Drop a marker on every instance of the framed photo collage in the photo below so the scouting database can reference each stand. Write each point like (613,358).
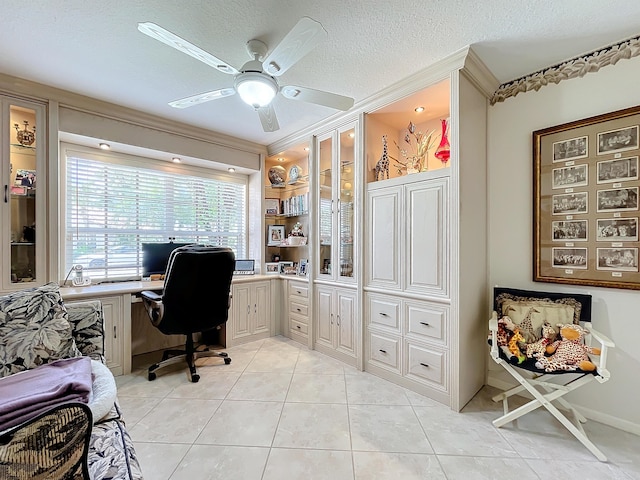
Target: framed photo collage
(586,189)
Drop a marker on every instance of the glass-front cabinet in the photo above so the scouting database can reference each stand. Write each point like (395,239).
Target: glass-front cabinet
(337,201)
(22,153)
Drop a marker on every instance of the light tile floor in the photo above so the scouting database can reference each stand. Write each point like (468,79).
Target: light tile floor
(282,412)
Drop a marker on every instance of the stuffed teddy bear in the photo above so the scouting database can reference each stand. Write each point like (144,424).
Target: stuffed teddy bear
(539,348)
(569,353)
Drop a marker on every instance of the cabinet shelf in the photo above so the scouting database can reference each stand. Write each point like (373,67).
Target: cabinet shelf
(287,215)
(22,244)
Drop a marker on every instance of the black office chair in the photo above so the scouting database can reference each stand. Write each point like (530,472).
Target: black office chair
(195,298)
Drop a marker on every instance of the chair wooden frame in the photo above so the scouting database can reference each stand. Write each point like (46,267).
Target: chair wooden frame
(549,388)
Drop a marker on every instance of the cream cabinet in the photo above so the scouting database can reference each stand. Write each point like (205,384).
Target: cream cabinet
(114,333)
(250,312)
(336,322)
(425,274)
(407,235)
(23,237)
(298,314)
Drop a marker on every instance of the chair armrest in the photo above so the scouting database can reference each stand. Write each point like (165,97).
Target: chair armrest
(605,343)
(600,337)
(493,328)
(151,296)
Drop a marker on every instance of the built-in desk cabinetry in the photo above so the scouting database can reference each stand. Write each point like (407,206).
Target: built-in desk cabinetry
(250,312)
(336,322)
(297,307)
(114,332)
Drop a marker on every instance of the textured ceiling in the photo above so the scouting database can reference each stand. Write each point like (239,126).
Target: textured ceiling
(94,48)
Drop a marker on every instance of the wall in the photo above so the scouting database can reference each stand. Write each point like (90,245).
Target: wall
(615,311)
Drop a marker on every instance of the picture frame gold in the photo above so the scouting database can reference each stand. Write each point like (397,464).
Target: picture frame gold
(585,206)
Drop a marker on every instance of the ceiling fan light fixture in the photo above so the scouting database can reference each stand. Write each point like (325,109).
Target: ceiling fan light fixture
(256,89)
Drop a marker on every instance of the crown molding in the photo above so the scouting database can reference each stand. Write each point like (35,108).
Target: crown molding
(574,68)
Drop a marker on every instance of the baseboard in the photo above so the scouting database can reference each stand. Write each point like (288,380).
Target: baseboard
(591,414)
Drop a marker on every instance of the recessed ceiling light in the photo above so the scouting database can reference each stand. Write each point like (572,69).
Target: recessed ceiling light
(231,169)
(419,109)
(105,146)
(280,159)
(352,135)
(176,160)
(306,149)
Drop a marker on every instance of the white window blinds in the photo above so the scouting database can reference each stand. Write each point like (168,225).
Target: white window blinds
(114,204)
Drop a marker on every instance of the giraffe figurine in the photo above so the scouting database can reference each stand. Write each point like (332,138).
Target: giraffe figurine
(382,167)
(514,348)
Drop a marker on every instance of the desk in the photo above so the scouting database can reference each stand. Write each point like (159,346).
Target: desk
(119,298)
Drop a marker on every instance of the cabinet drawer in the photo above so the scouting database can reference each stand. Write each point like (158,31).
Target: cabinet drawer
(298,308)
(425,321)
(296,325)
(298,291)
(425,364)
(383,311)
(384,350)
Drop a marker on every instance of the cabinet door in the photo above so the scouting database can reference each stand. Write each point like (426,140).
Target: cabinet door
(345,322)
(325,316)
(113,333)
(22,170)
(325,206)
(241,311)
(261,307)
(426,247)
(346,202)
(383,258)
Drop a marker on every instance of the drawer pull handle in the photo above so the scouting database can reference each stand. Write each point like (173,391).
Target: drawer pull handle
(424,364)
(298,292)
(424,323)
(383,351)
(297,326)
(384,314)
(297,309)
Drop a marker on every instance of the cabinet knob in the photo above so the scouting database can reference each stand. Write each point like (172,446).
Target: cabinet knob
(424,323)
(383,351)
(424,364)
(298,309)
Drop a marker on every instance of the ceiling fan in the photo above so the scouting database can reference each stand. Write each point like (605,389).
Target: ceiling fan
(256,81)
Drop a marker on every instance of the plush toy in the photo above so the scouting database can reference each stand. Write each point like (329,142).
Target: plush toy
(569,353)
(508,340)
(539,348)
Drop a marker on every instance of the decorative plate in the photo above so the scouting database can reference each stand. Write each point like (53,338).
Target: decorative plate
(294,173)
(277,175)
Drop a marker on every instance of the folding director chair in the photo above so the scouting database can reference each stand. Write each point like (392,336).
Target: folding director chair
(547,388)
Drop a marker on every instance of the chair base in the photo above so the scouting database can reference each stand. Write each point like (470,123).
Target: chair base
(549,392)
(189,355)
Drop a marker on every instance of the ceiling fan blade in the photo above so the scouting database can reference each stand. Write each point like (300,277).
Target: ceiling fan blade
(202,97)
(302,38)
(268,118)
(309,95)
(168,38)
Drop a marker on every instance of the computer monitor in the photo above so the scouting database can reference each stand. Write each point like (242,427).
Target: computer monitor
(155,257)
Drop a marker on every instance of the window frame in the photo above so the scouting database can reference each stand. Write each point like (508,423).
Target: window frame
(136,161)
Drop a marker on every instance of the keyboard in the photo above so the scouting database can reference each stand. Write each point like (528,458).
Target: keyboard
(243,272)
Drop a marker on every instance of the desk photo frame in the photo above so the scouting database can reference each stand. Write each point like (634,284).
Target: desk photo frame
(586,192)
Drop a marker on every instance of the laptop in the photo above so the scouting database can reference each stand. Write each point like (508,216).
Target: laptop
(244,267)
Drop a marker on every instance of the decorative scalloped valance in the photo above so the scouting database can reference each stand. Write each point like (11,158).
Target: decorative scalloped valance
(574,68)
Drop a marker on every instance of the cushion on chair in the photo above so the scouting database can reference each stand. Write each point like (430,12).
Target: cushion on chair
(540,311)
(34,329)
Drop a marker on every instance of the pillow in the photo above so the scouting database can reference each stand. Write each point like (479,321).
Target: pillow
(34,329)
(541,311)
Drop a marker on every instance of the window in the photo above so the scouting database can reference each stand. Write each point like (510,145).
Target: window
(116,202)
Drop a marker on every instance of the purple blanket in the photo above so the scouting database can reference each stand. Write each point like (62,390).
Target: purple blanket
(26,394)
